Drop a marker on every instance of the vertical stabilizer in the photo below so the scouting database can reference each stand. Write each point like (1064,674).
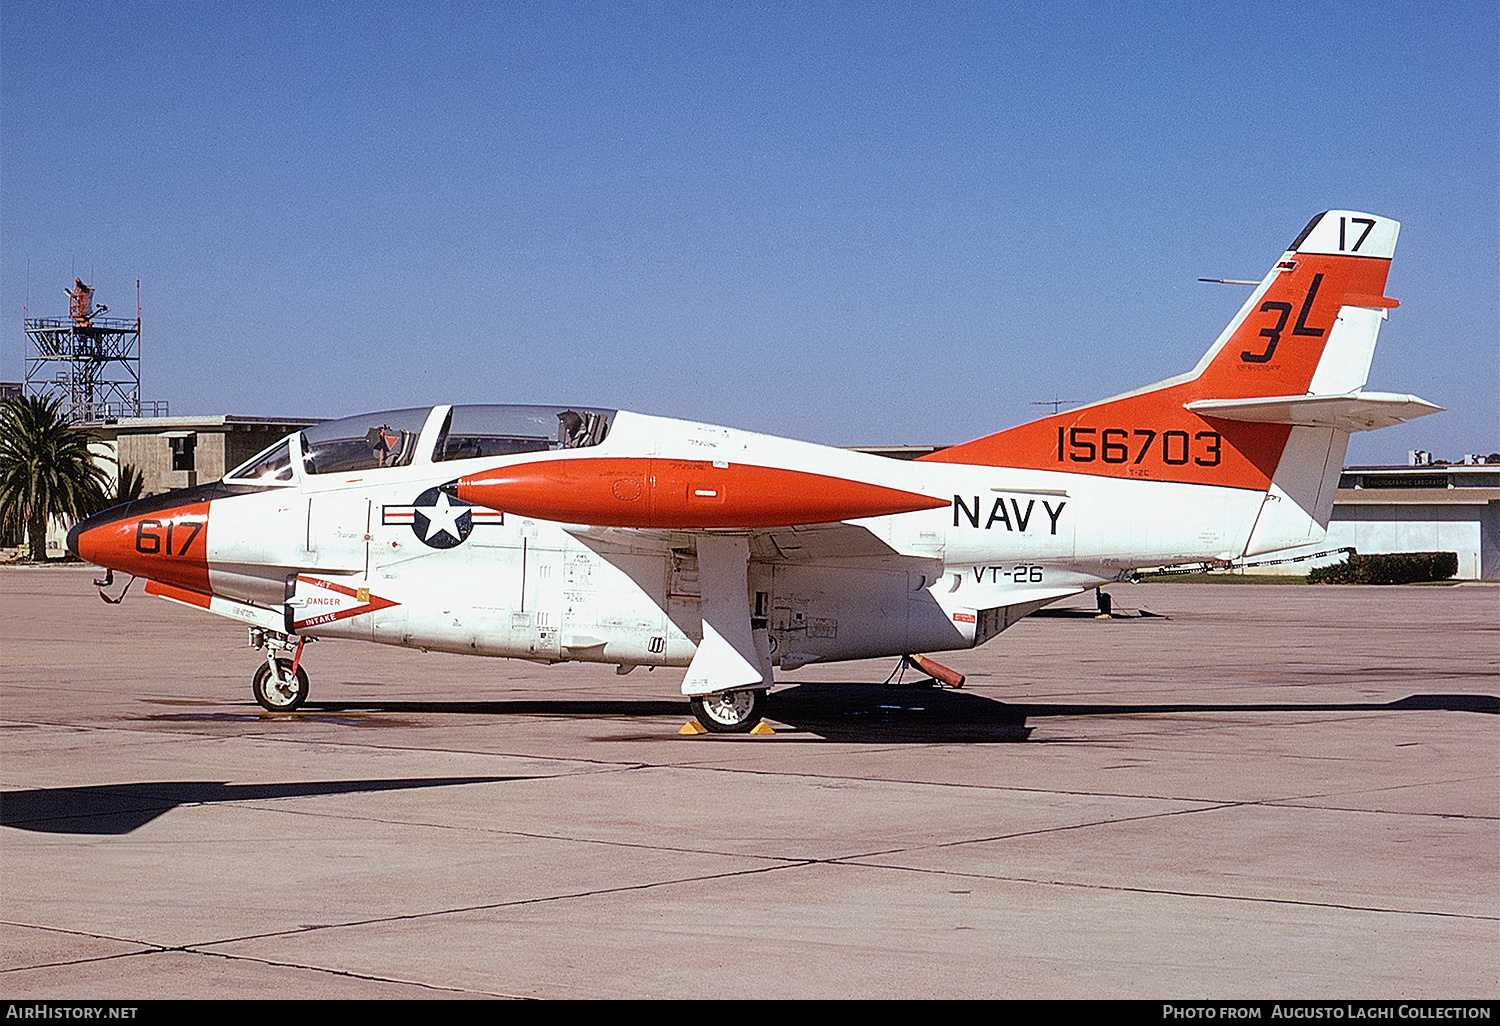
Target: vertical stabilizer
(1309,328)
(1312,321)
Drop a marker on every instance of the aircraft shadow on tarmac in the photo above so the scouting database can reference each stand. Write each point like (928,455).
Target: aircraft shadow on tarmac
(121,808)
(863,713)
(896,714)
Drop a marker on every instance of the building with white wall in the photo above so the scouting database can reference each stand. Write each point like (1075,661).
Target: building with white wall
(1420,508)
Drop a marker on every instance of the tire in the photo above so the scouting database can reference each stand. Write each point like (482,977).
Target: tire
(283,695)
(730,712)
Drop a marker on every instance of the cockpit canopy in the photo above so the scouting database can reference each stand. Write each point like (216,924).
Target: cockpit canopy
(367,442)
(400,438)
(470,432)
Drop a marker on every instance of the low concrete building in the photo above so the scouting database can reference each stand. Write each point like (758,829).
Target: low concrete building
(1428,508)
(179,452)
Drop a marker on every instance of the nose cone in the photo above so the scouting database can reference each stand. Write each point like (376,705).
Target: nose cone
(73,538)
(163,538)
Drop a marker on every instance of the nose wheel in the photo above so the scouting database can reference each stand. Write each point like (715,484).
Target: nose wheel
(282,690)
(280,685)
(730,712)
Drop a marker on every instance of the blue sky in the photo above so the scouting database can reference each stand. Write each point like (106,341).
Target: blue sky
(851,223)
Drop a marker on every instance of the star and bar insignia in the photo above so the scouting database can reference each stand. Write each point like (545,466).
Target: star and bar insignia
(439,520)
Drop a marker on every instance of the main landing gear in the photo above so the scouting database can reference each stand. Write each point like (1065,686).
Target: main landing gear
(730,712)
(280,685)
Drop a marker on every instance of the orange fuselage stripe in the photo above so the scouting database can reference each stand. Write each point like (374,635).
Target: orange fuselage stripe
(176,594)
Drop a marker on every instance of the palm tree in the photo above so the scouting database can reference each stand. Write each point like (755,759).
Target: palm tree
(130,485)
(46,469)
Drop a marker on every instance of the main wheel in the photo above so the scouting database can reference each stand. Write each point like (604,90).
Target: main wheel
(284,693)
(730,712)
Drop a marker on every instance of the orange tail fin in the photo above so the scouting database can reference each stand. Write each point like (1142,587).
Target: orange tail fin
(1308,329)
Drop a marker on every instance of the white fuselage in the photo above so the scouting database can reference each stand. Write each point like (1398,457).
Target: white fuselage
(940,579)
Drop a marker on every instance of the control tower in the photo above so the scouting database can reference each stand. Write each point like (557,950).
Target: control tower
(91,362)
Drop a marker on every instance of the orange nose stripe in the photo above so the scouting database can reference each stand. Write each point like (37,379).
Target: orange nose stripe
(169,545)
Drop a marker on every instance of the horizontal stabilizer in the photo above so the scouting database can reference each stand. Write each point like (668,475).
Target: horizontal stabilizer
(1357,411)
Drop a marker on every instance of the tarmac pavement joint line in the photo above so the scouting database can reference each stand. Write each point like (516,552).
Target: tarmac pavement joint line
(1205,895)
(156,950)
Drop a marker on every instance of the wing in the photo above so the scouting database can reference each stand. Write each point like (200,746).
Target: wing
(735,651)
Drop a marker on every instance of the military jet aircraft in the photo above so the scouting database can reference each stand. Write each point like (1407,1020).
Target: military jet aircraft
(554,533)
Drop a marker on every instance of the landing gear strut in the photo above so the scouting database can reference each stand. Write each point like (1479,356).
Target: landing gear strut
(280,685)
(730,712)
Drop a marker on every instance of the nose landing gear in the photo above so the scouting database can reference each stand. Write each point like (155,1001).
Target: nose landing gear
(281,689)
(279,685)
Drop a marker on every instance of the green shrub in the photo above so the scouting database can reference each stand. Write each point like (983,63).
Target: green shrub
(1388,568)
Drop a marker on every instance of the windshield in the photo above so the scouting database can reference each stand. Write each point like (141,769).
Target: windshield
(367,442)
(273,465)
(474,431)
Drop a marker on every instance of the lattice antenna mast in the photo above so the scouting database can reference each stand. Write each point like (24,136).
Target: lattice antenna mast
(91,362)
